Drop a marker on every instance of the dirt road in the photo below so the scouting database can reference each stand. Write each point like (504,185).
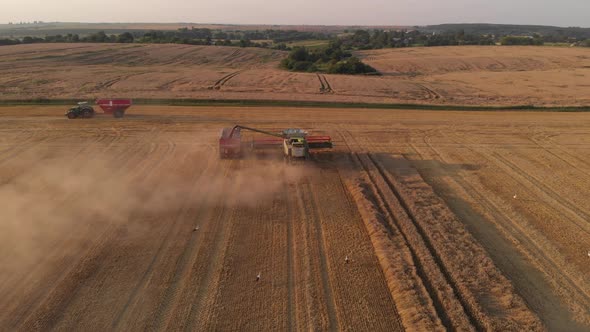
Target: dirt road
(450,220)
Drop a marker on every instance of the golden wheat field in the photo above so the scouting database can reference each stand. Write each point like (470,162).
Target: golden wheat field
(415,220)
(490,75)
(449,220)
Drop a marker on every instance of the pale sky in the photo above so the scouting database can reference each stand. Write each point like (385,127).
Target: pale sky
(321,12)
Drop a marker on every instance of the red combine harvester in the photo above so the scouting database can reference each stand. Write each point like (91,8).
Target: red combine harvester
(116,107)
(295,142)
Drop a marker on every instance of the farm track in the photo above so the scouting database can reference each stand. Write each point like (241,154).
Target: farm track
(431,94)
(325,86)
(222,81)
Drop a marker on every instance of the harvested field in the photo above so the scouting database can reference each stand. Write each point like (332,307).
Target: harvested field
(491,75)
(451,220)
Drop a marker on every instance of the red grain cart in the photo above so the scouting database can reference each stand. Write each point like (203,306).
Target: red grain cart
(116,107)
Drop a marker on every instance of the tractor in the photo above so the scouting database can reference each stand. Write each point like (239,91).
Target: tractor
(83,110)
(116,107)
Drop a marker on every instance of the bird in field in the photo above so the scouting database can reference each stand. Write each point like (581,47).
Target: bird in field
(258,277)
(514,196)
(346,260)
(196,229)
(588,253)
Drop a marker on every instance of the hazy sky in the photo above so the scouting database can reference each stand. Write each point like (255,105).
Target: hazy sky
(328,12)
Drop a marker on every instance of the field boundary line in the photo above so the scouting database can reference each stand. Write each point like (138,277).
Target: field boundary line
(312,104)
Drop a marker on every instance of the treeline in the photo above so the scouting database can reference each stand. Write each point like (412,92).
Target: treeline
(266,39)
(332,60)
(519,40)
(549,34)
(99,37)
(375,39)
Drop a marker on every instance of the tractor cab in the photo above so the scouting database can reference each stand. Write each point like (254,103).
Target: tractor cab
(83,110)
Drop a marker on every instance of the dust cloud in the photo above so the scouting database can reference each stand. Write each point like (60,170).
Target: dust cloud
(55,207)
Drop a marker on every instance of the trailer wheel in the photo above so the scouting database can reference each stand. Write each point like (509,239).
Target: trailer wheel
(118,114)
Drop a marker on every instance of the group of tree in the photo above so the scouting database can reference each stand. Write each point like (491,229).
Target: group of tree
(332,59)
(99,37)
(275,39)
(521,40)
(376,39)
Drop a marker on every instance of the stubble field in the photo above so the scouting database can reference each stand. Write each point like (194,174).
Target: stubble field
(450,220)
(489,75)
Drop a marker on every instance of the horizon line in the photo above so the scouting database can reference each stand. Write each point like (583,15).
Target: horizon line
(310,25)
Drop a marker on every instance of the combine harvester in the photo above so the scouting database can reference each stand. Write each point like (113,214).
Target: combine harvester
(116,107)
(295,143)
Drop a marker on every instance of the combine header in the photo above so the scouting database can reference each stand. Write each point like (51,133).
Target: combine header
(295,143)
(116,107)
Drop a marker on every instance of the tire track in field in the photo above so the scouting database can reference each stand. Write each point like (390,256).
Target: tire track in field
(292,307)
(109,83)
(325,86)
(175,229)
(316,217)
(431,94)
(549,262)
(202,306)
(187,260)
(447,300)
(20,148)
(307,308)
(59,202)
(556,146)
(314,234)
(566,151)
(583,218)
(53,294)
(515,233)
(222,81)
(346,235)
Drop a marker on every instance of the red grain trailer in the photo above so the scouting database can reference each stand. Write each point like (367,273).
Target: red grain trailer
(116,107)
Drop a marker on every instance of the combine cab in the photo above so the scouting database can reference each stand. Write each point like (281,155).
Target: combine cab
(116,107)
(295,143)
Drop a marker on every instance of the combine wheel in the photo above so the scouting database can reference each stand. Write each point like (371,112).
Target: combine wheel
(118,114)
(71,115)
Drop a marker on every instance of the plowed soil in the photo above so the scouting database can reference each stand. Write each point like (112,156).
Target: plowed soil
(449,220)
(491,75)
